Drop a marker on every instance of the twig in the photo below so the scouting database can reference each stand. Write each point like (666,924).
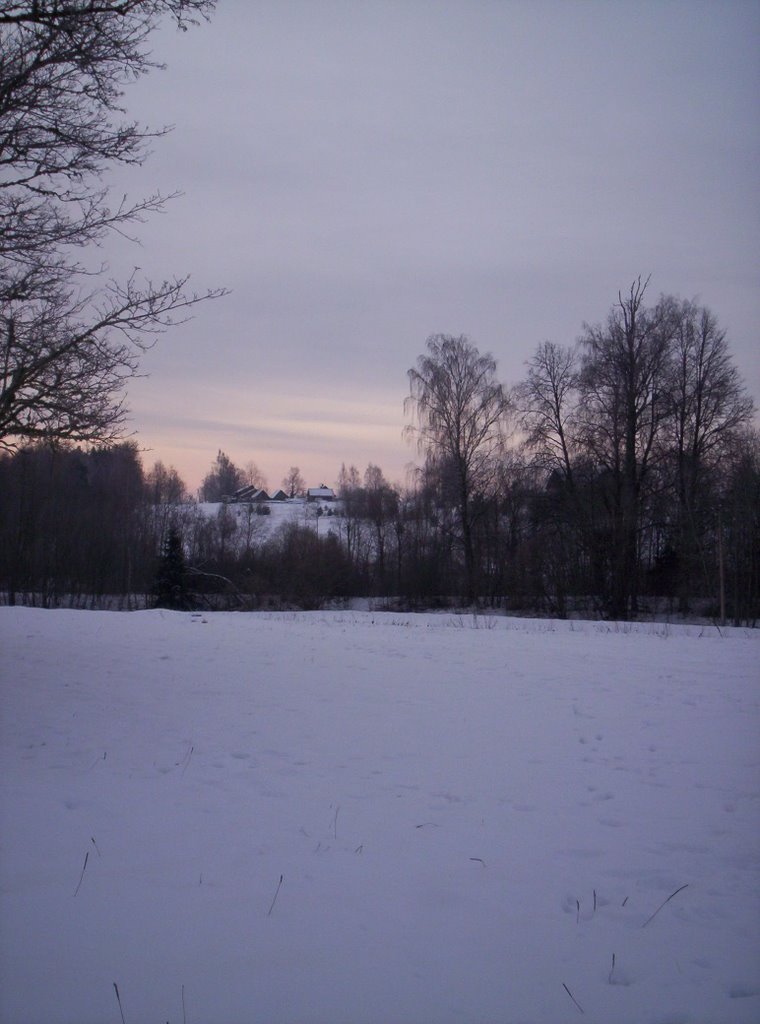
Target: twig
(97,759)
(275,897)
(187,762)
(92,840)
(118,1000)
(335,821)
(577,911)
(564,986)
(651,917)
(479,860)
(594,900)
(87,854)
(612,969)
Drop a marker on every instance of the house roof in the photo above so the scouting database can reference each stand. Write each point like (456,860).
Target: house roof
(250,493)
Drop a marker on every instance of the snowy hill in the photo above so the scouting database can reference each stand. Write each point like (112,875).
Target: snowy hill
(344,817)
(295,510)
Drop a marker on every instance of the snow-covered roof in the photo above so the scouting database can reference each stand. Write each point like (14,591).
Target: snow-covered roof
(250,493)
(320,492)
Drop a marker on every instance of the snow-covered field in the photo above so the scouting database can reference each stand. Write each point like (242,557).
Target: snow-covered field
(346,817)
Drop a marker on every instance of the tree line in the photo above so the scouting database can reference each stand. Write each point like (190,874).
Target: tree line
(91,528)
(621,477)
(622,470)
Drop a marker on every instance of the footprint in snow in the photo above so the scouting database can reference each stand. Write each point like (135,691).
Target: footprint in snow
(742,992)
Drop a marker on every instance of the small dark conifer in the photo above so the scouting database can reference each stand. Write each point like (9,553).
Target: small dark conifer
(171,585)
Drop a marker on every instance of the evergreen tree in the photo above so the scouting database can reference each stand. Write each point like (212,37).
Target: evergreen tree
(171,587)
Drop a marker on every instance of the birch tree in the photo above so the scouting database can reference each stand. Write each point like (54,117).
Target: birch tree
(458,411)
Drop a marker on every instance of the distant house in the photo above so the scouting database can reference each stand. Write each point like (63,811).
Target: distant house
(249,494)
(320,493)
(279,495)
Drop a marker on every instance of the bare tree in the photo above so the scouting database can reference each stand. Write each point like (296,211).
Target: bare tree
(70,338)
(708,404)
(164,492)
(459,412)
(547,400)
(293,483)
(65,358)
(708,409)
(623,402)
(164,485)
(380,507)
(253,476)
(349,493)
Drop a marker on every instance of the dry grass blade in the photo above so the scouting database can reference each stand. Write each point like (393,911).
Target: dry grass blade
(118,1000)
(654,915)
(274,900)
(564,986)
(79,883)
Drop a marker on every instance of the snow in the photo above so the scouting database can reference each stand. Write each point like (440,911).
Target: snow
(294,511)
(469,817)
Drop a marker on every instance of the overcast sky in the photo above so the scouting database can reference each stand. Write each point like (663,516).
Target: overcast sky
(364,174)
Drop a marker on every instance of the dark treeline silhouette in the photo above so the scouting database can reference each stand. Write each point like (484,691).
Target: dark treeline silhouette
(91,529)
(620,478)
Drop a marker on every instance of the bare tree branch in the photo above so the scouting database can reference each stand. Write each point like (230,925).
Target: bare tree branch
(69,338)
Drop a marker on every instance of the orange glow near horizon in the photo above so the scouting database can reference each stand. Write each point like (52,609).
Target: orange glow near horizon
(317,435)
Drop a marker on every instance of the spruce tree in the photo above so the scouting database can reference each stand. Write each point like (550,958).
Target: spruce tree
(171,587)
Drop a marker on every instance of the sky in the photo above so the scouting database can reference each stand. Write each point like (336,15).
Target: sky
(361,176)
